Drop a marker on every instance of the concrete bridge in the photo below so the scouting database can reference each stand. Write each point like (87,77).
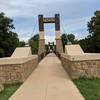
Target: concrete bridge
(49,81)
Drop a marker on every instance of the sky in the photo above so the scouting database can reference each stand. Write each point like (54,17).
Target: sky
(74,15)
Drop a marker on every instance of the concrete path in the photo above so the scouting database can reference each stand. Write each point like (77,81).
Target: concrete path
(49,81)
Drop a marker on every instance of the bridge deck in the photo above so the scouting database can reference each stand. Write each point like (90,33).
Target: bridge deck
(49,81)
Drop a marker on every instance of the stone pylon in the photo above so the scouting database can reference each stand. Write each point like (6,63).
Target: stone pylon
(41,43)
(41,50)
(59,47)
(56,20)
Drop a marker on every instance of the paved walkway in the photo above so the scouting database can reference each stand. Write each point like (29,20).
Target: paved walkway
(49,81)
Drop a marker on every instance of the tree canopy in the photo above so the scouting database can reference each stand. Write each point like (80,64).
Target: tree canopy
(92,42)
(21,44)
(94,30)
(68,38)
(8,39)
(34,43)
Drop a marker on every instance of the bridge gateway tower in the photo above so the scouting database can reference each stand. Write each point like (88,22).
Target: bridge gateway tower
(42,21)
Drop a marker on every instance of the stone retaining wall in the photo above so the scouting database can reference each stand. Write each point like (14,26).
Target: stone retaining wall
(17,72)
(78,68)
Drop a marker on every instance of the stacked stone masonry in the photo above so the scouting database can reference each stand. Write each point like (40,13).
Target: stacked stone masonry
(11,73)
(79,68)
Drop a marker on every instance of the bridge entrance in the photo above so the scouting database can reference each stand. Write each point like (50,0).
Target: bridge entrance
(56,20)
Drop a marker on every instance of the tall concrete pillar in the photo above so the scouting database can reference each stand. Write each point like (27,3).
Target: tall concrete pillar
(41,36)
(59,47)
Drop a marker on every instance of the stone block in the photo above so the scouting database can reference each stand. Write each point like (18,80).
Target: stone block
(59,47)
(76,69)
(22,52)
(11,73)
(41,46)
(73,50)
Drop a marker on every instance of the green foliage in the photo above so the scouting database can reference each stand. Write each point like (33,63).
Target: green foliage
(64,40)
(89,87)
(8,39)
(34,43)
(9,90)
(94,30)
(70,37)
(87,44)
(5,24)
(92,42)
(2,52)
(94,24)
(21,44)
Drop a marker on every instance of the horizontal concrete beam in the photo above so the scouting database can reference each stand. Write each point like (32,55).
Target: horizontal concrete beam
(10,60)
(86,56)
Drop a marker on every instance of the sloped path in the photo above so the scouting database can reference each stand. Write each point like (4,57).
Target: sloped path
(49,81)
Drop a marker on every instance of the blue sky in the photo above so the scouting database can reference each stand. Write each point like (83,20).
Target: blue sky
(74,15)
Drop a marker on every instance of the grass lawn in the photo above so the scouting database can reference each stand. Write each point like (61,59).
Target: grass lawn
(89,87)
(9,90)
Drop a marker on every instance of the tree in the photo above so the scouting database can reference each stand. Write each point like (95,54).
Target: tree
(21,44)
(66,39)
(34,43)
(8,39)
(1,52)
(87,44)
(94,30)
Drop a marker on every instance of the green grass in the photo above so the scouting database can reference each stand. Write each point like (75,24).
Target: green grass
(9,90)
(89,87)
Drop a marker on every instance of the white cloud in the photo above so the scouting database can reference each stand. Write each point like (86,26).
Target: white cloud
(49,39)
(4,1)
(77,26)
(74,14)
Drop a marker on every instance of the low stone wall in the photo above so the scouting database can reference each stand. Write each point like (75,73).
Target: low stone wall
(77,67)
(16,69)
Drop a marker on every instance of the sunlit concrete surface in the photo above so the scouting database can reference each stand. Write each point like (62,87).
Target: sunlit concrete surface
(49,81)
(21,52)
(75,53)
(73,50)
